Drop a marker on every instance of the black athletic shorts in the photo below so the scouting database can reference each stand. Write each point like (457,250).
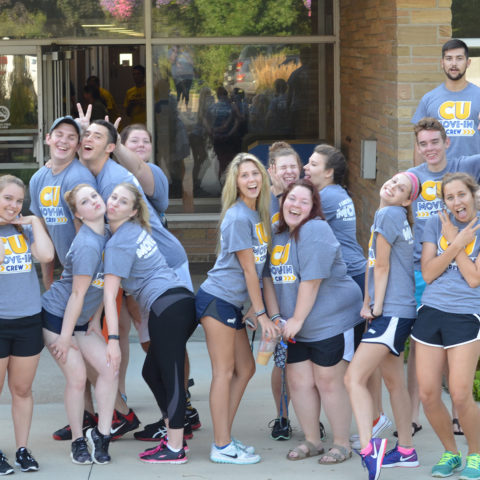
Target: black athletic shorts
(21,337)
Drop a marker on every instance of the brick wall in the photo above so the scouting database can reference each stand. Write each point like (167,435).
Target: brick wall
(389,57)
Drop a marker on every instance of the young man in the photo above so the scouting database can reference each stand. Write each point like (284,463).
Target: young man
(455,103)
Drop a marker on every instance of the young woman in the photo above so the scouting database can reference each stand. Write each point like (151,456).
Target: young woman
(67,307)
(321,304)
(244,240)
(389,306)
(20,321)
(284,168)
(133,259)
(447,329)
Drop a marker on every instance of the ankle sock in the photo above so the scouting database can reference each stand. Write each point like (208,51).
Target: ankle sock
(222,448)
(175,450)
(405,450)
(367,450)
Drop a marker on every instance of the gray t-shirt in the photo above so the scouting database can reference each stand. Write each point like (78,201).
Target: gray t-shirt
(315,255)
(274,208)
(458,113)
(18,278)
(159,199)
(133,255)
(85,257)
(241,229)
(450,292)
(47,202)
(339,212)
(111,175)
(428,204)
(392,224)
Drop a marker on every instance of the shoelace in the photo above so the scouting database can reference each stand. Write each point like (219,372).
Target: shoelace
(473,461)
(448,458)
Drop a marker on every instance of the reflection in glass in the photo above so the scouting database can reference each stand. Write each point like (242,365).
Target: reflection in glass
(207,18)
(224,99)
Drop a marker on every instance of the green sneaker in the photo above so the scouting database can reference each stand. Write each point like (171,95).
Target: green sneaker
(448,464)
(472,468)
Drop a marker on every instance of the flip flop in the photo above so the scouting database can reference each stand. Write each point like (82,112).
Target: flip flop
(458,430)
(415,428)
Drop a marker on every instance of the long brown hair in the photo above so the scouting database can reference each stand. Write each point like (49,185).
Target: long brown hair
(142,217)
(315,212)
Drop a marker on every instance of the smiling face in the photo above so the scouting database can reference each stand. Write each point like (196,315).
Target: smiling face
(297,206)
(138,141)
(315,171)
(249,182)
(63,143)
(89,204)
(286,169)
(432,148)
(120,206)
(11,201)
(455,63)
(396,191)
(459,200)
(95,143)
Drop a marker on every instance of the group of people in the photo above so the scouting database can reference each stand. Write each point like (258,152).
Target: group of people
(288,246)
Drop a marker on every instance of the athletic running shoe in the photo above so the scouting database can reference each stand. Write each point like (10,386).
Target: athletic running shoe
(25,461)
(448,464)
(393,458)
(80,454)
(154,432)
(99,445)
(281,429)
(65,433)
(5,467)
(232,454)
(383,423)
(250,449)
(163,454)
(122,424)
(152,450)
(373,461)
(323,432)
(472,468)
(192,417)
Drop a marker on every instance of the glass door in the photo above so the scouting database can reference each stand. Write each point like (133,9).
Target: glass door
(20,136)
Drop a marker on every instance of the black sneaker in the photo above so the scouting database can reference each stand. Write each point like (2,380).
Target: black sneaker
(65,433)
(80,454)
(25,461)
(191,415)
(162,454)
(99,445)
(122,424)
(5,467)
(153,432)
(281,429)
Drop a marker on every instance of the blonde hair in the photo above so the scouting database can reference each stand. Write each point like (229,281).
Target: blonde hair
(142,217)
(71,197)
(7,180)
(230,192)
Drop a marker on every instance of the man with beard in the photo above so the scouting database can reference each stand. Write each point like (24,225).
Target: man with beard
(455,103)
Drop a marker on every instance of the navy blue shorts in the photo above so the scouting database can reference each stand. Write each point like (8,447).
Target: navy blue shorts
(445,330)
(54,324)
(210,306)
(21,337)
(389,331)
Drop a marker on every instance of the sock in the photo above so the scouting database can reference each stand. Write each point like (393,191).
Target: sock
(376,420)
(405,450)
(222,448)
(175,450)
(367,450)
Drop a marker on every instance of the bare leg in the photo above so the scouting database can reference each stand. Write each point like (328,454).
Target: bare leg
(21,372)
(374,386)
(124,324)
(412,383)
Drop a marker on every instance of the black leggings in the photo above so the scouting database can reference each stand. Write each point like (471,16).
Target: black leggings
(164,367)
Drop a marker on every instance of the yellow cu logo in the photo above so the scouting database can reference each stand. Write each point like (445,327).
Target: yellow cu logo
(430,188)
(275,218)
(15,244)
(280,254)
(49,196)
(261,235)
(468,249)
(455,110)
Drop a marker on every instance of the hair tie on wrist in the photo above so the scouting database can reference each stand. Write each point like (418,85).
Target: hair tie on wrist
(260,313)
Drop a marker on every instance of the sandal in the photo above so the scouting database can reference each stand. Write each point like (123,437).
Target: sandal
(457,428)
(340,455)
(415,428)
(309,450)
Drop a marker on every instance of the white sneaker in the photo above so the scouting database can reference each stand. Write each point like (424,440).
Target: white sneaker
(383,423)
(250,449)
(232,454)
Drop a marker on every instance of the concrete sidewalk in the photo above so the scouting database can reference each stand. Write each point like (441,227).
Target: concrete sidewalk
(256,410)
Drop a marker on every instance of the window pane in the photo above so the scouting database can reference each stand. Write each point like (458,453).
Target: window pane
(465,19)
(70,18)
(218,18)
(212,102)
